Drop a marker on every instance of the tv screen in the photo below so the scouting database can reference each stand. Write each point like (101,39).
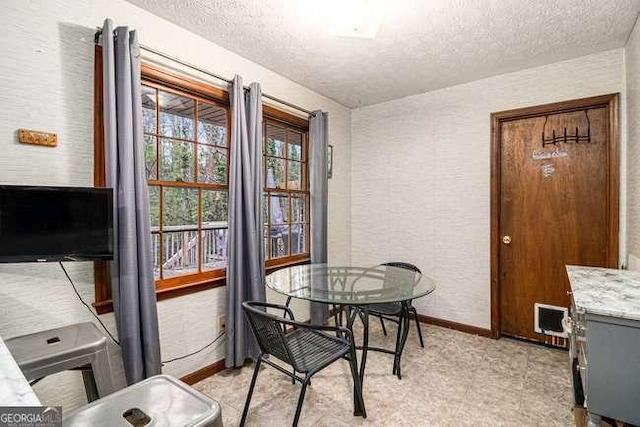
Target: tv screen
(55,223)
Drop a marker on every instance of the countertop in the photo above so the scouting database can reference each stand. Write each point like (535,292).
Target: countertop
(14,388)
(606,291)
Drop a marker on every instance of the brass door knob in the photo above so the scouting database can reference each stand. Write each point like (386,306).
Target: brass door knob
(506,239)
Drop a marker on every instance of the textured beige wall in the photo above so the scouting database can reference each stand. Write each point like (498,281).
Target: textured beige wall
(46,83)
(632,61)
(420,176)
(420,168)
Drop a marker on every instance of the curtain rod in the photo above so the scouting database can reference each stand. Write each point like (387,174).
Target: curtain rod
(216,76)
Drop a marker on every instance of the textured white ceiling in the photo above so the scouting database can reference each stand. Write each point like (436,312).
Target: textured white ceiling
(422,45)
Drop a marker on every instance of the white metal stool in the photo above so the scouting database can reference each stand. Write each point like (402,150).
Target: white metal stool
(75,347)
(157,401)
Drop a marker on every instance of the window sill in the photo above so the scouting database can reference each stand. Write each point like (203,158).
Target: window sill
(273,265)
(106,306)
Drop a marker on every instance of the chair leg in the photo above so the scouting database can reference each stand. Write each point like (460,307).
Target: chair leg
(253,384)
(337,314)
(384,330)
(358,400)
(405,322)
(415,315)
(300,400)
(395,370)
(284,329)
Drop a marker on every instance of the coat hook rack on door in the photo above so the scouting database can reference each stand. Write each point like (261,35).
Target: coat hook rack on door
(564,138)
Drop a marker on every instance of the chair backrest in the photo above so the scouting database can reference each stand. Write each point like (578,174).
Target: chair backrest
(268,330)
(405,265)
(406,277)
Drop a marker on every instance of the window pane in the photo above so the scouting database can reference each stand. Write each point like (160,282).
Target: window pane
(280,241)
(150,157)
(149,109)
(212,164)
(176,115)
(298,209)
(295,145)
(215,207)
(294,178)
(176,160)
(265,210)
(179,208)
(298,239)
(180,231)
(155,248)
(285,162)
(275,141)
(265,241)
(212,124)
(154,207)
(180,253)
(214,247)
(275,173)
(154,216)
(279,205)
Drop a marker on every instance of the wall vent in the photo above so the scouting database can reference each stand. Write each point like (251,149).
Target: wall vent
(548,319)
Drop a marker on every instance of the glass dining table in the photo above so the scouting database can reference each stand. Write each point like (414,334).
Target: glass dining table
(353,289)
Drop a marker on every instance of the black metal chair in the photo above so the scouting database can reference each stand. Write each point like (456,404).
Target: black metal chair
(307,348)
(393,311)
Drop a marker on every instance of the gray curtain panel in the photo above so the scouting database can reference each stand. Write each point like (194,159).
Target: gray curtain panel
(245,272)
(318,143)
(132,283)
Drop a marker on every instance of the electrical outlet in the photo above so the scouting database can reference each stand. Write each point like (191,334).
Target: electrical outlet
(222,322)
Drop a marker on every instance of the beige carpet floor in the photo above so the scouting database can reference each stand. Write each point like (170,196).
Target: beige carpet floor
(458,379)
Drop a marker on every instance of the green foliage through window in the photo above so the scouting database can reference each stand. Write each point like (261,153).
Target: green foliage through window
(286,195)
(186,154)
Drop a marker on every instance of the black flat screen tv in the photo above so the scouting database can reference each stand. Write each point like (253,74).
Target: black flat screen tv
(55,223)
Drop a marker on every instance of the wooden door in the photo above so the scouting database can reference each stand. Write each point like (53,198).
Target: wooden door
(554,202)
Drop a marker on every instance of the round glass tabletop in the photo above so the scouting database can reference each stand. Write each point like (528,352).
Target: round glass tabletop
(350,285)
